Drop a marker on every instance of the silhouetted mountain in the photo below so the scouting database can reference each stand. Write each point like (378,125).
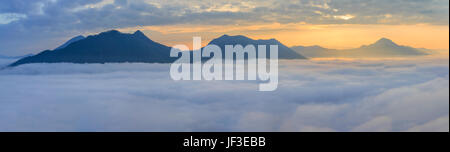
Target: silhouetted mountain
(110,46)
(387,47)
(382,48)
(77,38)
(283,51)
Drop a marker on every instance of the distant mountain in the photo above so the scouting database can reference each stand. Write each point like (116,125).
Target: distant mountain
(386,47)
(111,46)
(284,52)
(382,48)
(74,39)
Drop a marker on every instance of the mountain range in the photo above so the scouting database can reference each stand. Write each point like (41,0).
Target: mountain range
(116,47)
(382,48)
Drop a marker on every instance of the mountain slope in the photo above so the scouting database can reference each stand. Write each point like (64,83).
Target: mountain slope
(110,46)
(382,48)
(74,39)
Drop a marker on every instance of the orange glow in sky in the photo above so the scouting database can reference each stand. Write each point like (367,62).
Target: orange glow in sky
(338,36)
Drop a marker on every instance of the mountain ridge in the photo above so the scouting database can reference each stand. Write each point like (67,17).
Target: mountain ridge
(72,40)
(107,47)
(383,47)
(115,47)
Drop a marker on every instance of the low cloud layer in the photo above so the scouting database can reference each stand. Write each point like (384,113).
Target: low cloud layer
(332,95)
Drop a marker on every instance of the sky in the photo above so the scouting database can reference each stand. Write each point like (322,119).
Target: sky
(33,26)
(325,95)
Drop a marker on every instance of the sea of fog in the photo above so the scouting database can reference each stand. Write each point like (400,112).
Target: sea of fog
(314,95)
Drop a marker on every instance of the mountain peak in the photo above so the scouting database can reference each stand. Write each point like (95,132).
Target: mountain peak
(236,36)
(274,40)
(230,39)
(138,32)
(110,32)
(385,41)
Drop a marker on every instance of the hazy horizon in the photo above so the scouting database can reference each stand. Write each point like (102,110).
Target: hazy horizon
(204,43)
